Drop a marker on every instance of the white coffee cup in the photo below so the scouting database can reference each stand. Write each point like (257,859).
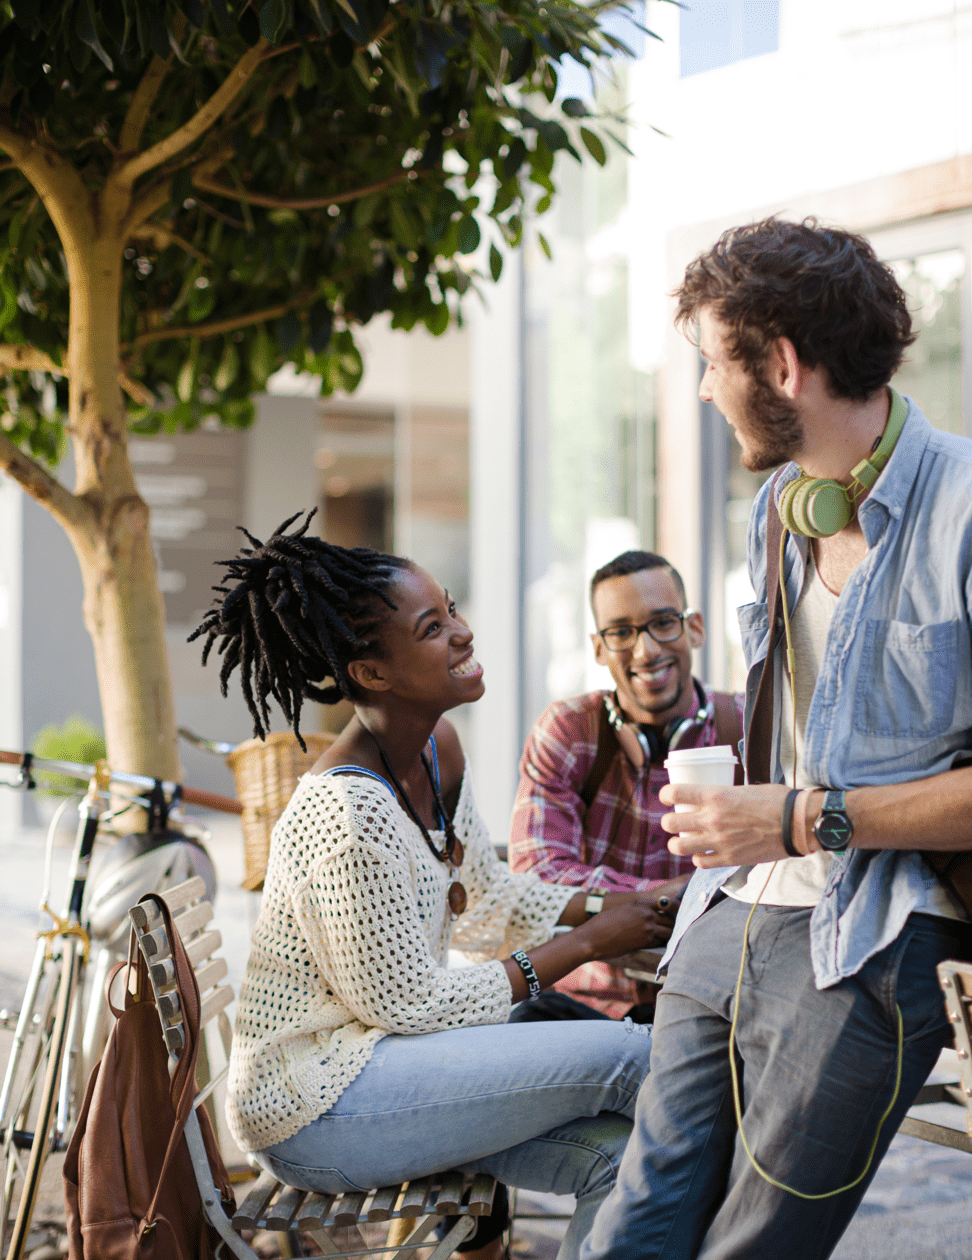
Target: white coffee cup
(709,767)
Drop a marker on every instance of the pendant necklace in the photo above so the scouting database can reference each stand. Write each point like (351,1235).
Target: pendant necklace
(452,852)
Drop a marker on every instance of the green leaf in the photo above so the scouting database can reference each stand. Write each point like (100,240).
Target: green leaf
(438,321)
(84,28)
(495,263)
(273,20)
(554,136)
(468,235)
(9,309)
(543,205)
(321,324)
(186,380)
(514,158)
(574,108)
(289,329)
(306,70)
(261,359)
(620,143)
(594,146)
(544,244)
(321,15)
(364,210)
(229,367)
(403,228)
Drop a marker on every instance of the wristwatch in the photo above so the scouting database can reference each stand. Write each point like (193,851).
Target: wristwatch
(833,828)
(594,903)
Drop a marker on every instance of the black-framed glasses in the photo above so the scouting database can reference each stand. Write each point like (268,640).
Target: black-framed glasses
(666,627)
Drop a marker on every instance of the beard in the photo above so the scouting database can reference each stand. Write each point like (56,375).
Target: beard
(774,431)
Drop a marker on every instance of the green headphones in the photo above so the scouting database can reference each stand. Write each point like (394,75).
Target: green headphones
(818,507)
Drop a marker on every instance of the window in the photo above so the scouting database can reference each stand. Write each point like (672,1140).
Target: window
(715,33)
(932,370)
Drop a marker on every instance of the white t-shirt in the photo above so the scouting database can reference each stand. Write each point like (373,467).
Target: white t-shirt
(800,881)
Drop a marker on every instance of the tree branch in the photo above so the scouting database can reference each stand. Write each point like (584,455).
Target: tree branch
(17,147)
(296,203)
(32,477)
(214,327)
(27,359)
(58,184)
(137,391)
(138,112)
(160,238)
(154,198)
(200,122)
(155,195)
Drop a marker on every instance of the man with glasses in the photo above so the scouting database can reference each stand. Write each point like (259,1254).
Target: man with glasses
(587,811)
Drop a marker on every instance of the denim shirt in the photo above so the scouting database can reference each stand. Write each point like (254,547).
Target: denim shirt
(893,700)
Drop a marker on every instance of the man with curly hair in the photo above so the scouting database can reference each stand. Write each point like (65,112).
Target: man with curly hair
(801,1011)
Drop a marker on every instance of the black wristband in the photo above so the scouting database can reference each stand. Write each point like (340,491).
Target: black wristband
(787,827)
(522,960)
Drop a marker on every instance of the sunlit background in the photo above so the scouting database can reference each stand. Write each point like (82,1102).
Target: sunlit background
(561,424)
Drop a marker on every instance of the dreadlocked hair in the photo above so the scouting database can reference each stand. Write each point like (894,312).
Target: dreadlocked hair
(294,612)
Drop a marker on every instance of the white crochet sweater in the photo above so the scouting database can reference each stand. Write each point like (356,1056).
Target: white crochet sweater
(352,944)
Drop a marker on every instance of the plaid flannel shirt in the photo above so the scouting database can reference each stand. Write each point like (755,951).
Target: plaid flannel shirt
(551,834)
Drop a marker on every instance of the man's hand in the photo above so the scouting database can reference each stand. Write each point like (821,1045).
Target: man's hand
(728,826)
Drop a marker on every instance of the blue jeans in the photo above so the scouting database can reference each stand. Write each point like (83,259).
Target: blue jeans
(539,1106)
(818,1071)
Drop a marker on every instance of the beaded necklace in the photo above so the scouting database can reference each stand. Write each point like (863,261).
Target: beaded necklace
(452,852)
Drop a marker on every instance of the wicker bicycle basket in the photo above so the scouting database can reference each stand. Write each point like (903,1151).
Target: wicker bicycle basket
(266,772)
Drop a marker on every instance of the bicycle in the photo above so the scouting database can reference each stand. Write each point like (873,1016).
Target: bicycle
(59,1035)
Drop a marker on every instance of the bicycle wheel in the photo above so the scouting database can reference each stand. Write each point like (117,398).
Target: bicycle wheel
(28,1136)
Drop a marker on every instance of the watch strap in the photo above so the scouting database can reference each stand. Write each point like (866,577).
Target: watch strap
(787,823)
(594,903)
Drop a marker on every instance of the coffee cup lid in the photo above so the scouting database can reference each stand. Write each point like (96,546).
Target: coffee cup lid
(700,756)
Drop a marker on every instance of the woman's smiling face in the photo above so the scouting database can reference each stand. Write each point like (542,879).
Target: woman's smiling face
(426,647)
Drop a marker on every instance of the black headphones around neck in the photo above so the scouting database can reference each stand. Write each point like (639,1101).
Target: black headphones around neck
(656,743)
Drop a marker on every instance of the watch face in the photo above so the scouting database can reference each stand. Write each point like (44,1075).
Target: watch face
(834,831)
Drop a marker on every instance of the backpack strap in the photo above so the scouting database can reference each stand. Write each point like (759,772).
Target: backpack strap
(728,725)
(759,736)
(607,748)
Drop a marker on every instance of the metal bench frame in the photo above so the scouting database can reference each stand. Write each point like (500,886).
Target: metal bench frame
(412,1209)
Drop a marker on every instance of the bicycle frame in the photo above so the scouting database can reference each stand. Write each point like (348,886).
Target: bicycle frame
(75,943)
(68,1039)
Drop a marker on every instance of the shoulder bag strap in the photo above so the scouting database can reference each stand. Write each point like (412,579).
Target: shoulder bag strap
(183,1083)
(607,748)
(759,736)
(728,725)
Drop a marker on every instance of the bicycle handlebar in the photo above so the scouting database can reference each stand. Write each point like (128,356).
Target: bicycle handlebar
(77,770)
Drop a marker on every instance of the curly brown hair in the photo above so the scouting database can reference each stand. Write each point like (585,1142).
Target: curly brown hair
(823,288)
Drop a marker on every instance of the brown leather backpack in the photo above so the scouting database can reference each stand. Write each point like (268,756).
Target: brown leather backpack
(129,1188)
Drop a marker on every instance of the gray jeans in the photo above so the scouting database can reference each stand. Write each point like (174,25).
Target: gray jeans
(818,1071)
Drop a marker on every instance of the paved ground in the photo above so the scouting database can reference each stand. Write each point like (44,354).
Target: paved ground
(918,1208)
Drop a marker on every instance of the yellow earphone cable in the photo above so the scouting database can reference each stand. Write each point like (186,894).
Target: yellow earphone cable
(736,1097)
(790,654)
(737,1101)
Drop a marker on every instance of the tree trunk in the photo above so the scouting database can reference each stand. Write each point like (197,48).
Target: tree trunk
(123,607)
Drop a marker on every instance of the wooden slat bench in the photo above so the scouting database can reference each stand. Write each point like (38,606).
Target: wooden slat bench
(410,1210)
(956,981)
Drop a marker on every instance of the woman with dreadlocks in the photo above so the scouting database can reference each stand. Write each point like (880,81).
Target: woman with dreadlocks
(360,1058)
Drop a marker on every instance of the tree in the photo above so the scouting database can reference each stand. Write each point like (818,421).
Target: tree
(199,191)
